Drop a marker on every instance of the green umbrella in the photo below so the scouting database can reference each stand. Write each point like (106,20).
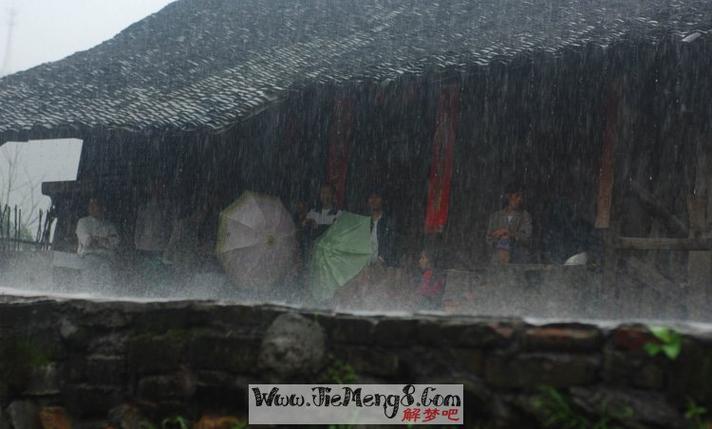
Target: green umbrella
(340,254)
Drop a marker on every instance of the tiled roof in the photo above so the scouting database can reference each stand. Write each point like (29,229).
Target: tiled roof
(207,63)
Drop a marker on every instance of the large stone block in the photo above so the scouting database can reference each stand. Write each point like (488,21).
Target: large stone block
(491,334)
(691,373)
(563,338)
(370,361)
(44,381)
(84,400)
(155,354)
(633,408)
(105,370)
(24,414)
(180,385)
(293,346)
(633,369)
(347,329)
(467,360)
(394,332)
(222,353)
(532,370)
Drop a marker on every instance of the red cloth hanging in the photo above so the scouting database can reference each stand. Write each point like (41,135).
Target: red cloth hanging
(440,178)
(340,140)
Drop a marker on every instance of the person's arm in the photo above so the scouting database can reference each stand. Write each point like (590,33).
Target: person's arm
(311,218)
(83,235)
(110,241)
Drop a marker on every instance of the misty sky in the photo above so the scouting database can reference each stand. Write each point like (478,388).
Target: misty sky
(49,30)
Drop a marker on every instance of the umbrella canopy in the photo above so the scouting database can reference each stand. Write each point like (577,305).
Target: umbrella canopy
(340,254)
(256,241)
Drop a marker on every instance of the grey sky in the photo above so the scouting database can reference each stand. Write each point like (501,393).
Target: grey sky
(49,30)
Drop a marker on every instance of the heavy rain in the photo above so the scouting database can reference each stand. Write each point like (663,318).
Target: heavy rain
(549,162)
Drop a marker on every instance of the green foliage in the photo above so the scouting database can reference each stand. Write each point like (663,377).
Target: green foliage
(560,413)
(175,422)
(145,424)
(18,359)
(240,425)
(695,414)
(341,373)
(558,410)
(668,342)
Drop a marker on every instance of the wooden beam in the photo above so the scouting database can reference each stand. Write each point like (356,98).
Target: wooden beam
(649,275)
(672,222)
(606,171)
(686,244)
(699,265)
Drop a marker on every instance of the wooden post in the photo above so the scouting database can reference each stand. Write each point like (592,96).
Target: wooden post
(606,175)
(699,266)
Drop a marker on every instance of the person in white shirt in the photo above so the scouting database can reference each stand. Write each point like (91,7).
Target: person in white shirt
(98,241)
(324,215)
(96,235)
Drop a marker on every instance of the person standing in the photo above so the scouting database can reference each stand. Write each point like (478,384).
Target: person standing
(152,231)
(322,216)
(97,242)
(383,231)
(154,219)
(509,230)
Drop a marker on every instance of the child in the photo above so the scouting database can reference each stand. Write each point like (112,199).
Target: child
(432,285)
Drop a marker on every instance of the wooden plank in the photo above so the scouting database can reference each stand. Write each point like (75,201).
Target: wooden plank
(686,244)
(658,209)
(606,172)
(699,265)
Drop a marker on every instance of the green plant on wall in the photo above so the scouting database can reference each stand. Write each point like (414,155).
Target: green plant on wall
(559,412)
(176,422)
(667,342)
(340,372)
(695,415)
(19,357)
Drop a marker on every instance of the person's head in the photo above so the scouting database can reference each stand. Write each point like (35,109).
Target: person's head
(95,207)
(300,207)
(375,201)
(326,195)
(426,261)
(514,196)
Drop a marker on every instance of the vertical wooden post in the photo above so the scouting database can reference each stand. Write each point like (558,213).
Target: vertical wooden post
(606,175)
(340,141)
(699,265)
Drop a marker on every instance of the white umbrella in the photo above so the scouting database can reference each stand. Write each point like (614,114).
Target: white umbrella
(256,241)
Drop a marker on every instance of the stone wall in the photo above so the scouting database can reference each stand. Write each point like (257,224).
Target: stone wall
(101,363)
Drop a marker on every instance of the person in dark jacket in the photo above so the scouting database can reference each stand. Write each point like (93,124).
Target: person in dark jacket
(383,231)
(509,230)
